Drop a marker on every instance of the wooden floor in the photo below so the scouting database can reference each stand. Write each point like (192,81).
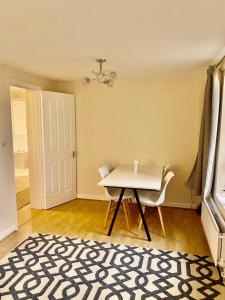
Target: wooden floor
(22,191)
(22,183)
(85,218)
(25,214)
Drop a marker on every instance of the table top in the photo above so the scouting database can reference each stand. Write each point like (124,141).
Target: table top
(147,178)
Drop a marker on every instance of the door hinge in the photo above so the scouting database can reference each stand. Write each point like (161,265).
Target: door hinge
(74,153)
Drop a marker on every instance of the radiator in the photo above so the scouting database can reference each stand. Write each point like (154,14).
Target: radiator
(214,228)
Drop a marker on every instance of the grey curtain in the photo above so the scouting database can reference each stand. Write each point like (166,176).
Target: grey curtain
(201,178)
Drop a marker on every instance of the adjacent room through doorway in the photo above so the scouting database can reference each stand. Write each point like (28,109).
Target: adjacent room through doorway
(20,145)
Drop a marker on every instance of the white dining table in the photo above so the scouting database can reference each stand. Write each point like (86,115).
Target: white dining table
(124,177)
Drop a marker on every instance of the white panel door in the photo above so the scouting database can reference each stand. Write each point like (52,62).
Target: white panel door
(58,127)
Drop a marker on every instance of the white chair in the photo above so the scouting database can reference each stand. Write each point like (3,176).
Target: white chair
(155,199)
(113,194)
(166,169)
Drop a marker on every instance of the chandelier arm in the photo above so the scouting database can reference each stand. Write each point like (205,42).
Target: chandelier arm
(93,79)
(95,73)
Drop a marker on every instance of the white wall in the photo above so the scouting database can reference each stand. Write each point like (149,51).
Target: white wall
(7,198)
(155,121)
(19,125)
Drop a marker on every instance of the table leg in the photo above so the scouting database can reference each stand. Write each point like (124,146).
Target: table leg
(142,215)
(116,211)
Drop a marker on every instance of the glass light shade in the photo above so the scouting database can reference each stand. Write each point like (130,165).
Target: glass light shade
(113,74)
(110,83)
(86,80)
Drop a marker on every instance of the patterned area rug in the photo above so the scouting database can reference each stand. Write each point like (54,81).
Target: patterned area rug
(55,267)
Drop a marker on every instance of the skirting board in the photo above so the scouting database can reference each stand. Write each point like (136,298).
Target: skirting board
(6,232)
(168,204)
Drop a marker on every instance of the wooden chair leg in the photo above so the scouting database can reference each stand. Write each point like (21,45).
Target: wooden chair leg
(161,221)
(140,220)
(127,203)
(130,202)
(107,213)
(126,215)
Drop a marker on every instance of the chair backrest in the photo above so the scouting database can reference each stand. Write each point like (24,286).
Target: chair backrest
(166,169)
(109,166)
(105,169)
(166,179)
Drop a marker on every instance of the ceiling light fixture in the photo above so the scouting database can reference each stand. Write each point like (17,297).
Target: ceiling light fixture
(106,77)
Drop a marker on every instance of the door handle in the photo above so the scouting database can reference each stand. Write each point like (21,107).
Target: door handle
(74,153)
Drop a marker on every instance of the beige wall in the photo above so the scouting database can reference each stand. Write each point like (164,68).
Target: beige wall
(154,121)
(7,194)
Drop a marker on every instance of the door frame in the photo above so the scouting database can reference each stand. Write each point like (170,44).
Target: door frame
(25,85)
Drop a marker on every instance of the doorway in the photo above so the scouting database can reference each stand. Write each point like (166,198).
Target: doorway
(21,154)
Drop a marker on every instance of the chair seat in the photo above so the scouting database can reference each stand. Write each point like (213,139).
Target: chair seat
(114,193)
(148,198)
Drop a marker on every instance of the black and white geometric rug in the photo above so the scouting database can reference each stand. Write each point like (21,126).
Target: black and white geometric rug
(56,267)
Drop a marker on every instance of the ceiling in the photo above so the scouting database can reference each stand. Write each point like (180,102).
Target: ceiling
(61,39)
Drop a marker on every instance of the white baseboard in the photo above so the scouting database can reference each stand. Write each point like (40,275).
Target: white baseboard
(195,205)
(6,232)
(91,197)
(168,204)
(180,205)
